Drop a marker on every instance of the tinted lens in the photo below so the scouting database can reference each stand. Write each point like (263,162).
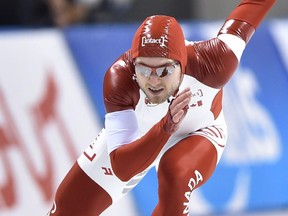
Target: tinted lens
(161,71)
(146,71)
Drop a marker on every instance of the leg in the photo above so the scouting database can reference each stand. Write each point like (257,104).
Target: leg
(91,186)
(79,195)
(183,168)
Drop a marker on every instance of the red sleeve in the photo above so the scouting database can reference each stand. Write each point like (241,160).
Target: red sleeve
(212,62)
(133,158)
(120,91)
(246,17)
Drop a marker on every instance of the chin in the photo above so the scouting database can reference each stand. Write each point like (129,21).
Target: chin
(157,99)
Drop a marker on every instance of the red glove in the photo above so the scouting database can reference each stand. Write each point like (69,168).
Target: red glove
(177,111)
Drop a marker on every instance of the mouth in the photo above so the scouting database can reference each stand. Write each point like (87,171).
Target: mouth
(155,91)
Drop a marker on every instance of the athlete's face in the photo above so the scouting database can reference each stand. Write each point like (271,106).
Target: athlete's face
(158,77)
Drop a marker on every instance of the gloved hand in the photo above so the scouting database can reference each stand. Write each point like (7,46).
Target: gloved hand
(177,110)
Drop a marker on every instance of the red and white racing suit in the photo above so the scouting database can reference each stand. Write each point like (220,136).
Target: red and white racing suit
(133,140)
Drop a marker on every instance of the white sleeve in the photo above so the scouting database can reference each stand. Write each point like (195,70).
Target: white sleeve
(236,44)
(121,128)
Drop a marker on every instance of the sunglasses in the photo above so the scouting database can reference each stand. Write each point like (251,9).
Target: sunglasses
(160,71)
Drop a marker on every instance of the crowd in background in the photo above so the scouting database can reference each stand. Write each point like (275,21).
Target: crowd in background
(61,13)
(66,12)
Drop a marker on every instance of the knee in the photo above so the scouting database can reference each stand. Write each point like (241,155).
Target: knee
(177,174)
(193,168)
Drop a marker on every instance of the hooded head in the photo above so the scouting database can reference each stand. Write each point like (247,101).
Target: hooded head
(160,36)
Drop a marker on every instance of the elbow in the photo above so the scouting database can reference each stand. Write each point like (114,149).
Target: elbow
(119,167)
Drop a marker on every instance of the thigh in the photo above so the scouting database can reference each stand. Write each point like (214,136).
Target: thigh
(79,195)
(183,168)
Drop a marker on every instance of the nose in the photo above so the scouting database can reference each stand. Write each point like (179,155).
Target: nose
(153,79)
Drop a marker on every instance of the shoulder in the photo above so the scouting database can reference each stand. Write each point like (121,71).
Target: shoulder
(211,62)
(120,90)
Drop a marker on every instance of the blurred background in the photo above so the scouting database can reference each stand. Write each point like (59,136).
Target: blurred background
(53,56)
(68,12)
